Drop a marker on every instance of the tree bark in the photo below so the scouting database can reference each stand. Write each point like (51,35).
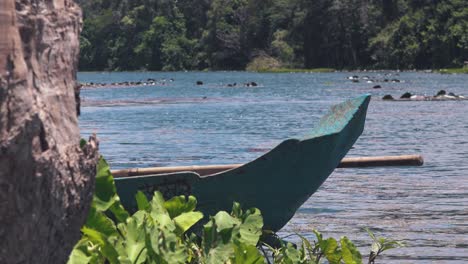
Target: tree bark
(46,179)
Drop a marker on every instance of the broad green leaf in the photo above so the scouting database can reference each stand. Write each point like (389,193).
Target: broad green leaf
(225,221)
(118,211)
(100,222)
(157,204)
(124,260)
(79,254)
(350,253)
(105,193)
(179,204)
(220,254)
(110,253)
(163,221)
(290,254)
(142,201)
(227,235)
(246,254)
(166,247)
(331,251)
(78,257)
(140,216)
(135,241)
(185,221)
(107,249)
(227,226)
(94,235)
(209,236)
(122,228)
(251,229)
(153,242)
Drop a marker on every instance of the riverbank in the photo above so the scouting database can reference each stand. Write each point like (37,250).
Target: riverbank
(463,70)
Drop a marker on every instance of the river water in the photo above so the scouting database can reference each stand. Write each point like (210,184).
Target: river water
(177,122)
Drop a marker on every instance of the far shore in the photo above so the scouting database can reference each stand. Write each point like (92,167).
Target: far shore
(463,70)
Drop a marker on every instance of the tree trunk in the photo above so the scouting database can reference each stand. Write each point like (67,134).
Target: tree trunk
(46,179)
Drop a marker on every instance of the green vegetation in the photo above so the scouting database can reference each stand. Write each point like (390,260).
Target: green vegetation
(172,232)
(232,34)
(454,70)
(293,70)
(263,64)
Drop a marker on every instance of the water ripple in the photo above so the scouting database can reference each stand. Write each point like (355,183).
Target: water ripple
(427,207)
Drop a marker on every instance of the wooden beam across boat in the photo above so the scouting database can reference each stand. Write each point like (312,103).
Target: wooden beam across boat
(357,162)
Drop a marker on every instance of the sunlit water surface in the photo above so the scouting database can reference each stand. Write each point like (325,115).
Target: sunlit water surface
(180,123)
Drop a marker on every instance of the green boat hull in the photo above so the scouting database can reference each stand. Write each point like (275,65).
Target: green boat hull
(277,183)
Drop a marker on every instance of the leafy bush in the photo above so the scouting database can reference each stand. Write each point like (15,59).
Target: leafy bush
(171,232)
(263,63)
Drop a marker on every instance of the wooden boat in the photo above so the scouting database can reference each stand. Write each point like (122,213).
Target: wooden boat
(277,183)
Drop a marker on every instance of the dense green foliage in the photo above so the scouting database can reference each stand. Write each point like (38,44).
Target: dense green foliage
(171,232)
(229,34)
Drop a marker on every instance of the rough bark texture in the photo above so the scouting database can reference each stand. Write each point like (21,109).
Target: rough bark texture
(46,180)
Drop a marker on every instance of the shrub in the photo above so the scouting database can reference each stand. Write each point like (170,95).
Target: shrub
(171,232)
(263,63)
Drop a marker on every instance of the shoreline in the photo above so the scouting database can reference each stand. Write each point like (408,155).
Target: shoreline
(462,70)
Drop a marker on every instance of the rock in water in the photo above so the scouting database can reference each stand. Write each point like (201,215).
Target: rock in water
(441,92)
(46,179)
(406,95)
(387,97)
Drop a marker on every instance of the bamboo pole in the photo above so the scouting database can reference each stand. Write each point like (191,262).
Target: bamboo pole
(359,162)
(382,161)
